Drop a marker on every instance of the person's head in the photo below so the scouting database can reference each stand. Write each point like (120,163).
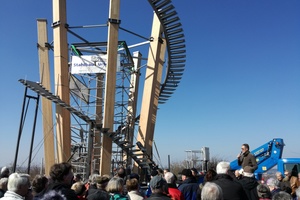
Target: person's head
(158,184)
(186,173)
(62,172)
(279,176)
(19,183)
(211,191)
(132,184)
(160,171)
(245,147)
(3,183)
(39,183)
(210,175)
(194,171)
(282,196)
(271,183)
(287,173)
(77,178)
(134,175)
(101,181)
(4,172)
(263,191)
(121,172)
(53,195)
(170,178)
(223,167)
(79,188)
(115,185)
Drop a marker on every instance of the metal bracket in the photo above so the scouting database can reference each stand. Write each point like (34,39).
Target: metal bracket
(55,24)
(114,21)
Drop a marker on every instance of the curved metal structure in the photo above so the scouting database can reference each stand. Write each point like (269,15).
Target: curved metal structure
(175,42)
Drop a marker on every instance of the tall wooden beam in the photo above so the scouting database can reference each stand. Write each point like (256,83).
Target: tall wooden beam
(61,78)
(110,84)
(151,87)
(43,51)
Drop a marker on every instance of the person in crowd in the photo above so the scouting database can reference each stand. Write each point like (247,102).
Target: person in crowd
(174,192)
(100,193)
(246,158)
(160,172)
(291,178)
(263,192)
(249,183)
(148,191)
(283,185)
(121,173)
(211,191)
(61,180)
(158,187)
(237,174)
(271,183)
(196,176)
(3,186)
(91,185)
(4,172)
(166,170)
(231,189)
(132,186)
(115,187)
(18,187)
(77,178)
(39,184)
(188,187)
(53,195)
(282,196)
(210,175)
(298,193)
(79,189)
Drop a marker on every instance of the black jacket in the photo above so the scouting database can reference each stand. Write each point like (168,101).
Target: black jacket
(158,196)
(64,189)
(249,184)
(232,190)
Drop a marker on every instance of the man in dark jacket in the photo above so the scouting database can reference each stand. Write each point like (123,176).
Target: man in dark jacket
(245,158)
(62,177)
(232,190)
(188,187)
(159,188)
(249,183)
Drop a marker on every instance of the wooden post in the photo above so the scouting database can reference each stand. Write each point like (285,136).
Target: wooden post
(110,85)
(151,86)
(61,78)
(43,51)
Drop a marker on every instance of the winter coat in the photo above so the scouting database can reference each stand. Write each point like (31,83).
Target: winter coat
(175,194)
(189,189)
(247,159)
(64,189)
(249,184)
(9,195)
(158,196)
(232,190)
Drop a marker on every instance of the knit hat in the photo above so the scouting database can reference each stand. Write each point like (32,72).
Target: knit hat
(157,182)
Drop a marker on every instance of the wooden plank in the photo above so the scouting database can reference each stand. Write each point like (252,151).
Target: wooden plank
(109,100)
(49,151)
(61,78)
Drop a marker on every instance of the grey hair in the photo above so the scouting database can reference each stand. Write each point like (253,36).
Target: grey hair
(16,180)
(271,182)
(211,191)
(115,185)
(169,176)
(223,167)
(278,173)
(282,196)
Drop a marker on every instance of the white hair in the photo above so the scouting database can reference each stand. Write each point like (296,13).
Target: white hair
(169,176)
(271,182)
(223,167)
(211,191)
(16,180)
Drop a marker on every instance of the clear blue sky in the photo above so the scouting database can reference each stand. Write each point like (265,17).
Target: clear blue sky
(241,82)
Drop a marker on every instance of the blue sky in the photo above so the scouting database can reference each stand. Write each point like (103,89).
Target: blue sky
(241,82)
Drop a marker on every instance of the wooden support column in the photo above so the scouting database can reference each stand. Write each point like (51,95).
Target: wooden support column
(61,78)
(132,101)
(99,116)
(43,51)
(151,87)
(110,84)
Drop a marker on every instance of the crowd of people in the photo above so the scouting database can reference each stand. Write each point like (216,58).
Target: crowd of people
(217,184)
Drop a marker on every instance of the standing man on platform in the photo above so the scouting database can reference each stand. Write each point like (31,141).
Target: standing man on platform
(245,158)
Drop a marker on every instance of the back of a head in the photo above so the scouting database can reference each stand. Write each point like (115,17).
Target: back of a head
(282,196)
(59,170)
(16,181)
(263,191)
(271,182)
(79,188)
(4,172)
(115,185)
(39,183)
(121,172)
(53,195)
(223,167)
(169,177)
(211,191)
(132,184)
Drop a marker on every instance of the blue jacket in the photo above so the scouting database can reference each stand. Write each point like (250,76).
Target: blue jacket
(189,189)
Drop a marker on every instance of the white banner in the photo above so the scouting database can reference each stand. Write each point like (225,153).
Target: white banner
(90,64)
